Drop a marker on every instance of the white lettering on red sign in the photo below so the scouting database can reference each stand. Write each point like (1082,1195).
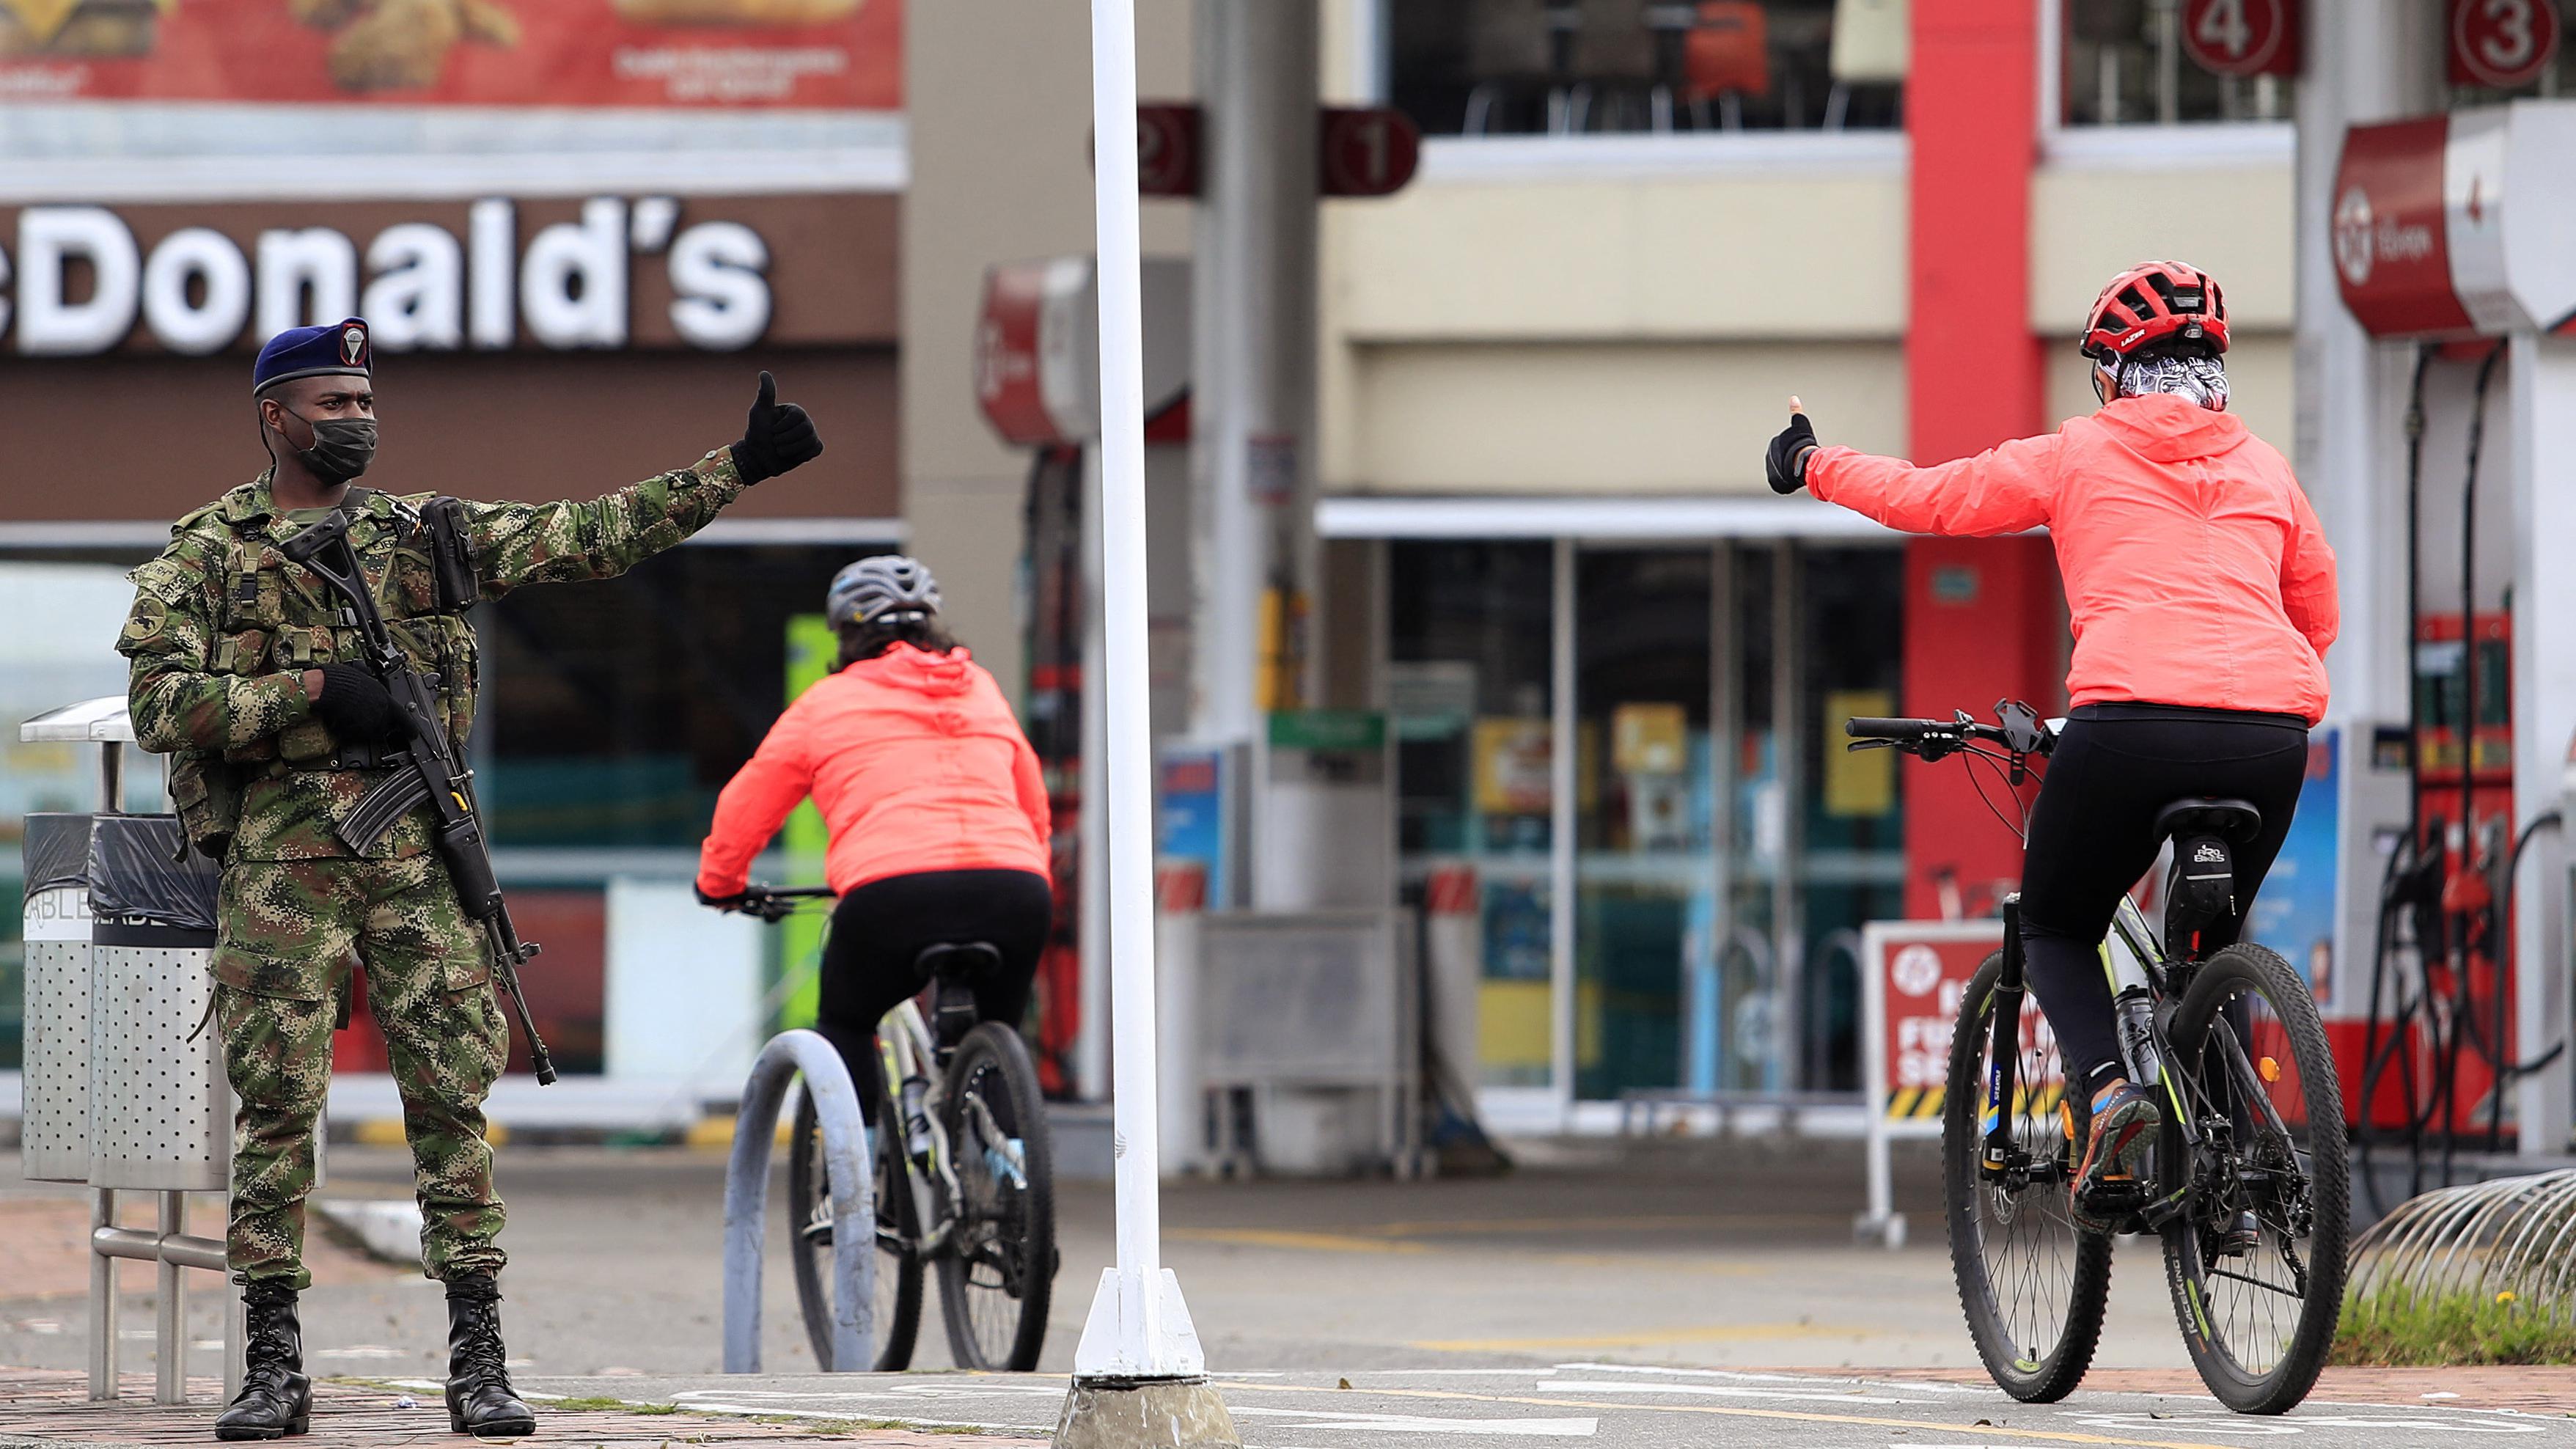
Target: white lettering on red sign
(195,291)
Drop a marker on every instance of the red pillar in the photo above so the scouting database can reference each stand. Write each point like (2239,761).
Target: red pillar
(1982,617)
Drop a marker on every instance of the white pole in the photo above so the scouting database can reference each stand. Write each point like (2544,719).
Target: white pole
(1137,1329)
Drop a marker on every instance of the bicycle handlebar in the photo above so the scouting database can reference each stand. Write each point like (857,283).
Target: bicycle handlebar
(2020,733)
(1901,731)
(776,903)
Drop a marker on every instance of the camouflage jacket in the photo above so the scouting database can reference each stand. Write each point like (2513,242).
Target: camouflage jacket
(224,626)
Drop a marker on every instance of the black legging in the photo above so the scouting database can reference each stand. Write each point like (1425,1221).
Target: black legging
(2092,834)
(880,930)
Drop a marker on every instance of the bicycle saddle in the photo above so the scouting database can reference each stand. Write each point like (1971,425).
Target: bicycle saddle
(2235,820)
(951,958)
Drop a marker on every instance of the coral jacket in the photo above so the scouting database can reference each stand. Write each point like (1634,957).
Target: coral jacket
(2195,571)
(916,763)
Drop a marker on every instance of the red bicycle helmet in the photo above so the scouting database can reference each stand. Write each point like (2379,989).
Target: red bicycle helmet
(2153,302)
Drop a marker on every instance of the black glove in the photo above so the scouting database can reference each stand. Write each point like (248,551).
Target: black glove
(1786,464)
(357,707)
(778,437)
(733,902)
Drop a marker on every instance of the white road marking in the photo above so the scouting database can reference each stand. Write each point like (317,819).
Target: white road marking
(1718,1391)
(1737,1375)
(2210,1421)
(1583,1428)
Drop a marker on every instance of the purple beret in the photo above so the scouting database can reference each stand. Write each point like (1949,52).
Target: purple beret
(338,348)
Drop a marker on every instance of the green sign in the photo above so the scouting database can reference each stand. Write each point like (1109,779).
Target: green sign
(1328,729)
(812,649)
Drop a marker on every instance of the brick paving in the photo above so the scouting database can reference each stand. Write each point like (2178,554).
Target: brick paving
(42,1406)
(2530,1390)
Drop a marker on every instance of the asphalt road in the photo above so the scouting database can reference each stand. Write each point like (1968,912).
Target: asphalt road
(1702,1256)
(1616,1406)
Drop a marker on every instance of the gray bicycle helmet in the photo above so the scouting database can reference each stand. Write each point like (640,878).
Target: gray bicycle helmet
(873,588)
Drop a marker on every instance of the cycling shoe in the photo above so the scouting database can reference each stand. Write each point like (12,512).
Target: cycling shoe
(2115,1156)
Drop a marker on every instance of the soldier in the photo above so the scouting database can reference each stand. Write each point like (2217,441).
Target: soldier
(243,671)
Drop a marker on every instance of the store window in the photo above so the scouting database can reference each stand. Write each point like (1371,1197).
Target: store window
(1574,67)
(2130,62)
(1469,649)
(630,703)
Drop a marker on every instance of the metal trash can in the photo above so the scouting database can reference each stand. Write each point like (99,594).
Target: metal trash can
(54,1132)
(160,1110)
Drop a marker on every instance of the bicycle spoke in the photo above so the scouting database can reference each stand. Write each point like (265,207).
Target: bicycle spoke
(2265,1285)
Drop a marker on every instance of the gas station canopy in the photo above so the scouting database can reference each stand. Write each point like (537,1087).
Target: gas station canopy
(2458,225)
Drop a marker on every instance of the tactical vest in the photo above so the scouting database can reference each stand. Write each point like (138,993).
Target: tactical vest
(275,619)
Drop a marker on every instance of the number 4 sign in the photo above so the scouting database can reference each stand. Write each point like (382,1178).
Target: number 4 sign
(2501,43)
(2243,37)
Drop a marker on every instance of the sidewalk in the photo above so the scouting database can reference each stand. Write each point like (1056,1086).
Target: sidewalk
(2523,1390)
(40,1407)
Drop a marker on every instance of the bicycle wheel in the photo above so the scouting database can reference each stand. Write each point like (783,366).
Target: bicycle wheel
(809,1197)
(2256,1261)
(2031,1283)
(998,1273)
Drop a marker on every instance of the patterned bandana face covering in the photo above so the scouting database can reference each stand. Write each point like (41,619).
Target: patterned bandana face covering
(2194,379)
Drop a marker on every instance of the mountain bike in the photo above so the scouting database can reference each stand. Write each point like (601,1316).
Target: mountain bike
(2247,1185)
(963,1166)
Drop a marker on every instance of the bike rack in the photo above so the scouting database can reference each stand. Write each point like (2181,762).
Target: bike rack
(786,1057)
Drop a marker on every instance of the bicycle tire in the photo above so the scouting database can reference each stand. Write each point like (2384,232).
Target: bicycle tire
(2203,1315)
(2034,1373)
(899,1300)
(992,1065)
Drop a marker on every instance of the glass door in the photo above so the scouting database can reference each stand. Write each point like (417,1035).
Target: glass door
(1645,866)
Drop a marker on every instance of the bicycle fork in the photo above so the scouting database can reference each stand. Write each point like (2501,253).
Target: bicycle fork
(1995,1149)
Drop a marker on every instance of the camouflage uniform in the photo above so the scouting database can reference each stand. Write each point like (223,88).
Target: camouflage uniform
(222,628)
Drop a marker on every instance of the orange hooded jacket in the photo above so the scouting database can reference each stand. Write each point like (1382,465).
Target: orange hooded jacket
(2195,572)
(914,759)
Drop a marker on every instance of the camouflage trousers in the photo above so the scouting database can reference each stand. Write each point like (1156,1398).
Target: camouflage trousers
(286,930)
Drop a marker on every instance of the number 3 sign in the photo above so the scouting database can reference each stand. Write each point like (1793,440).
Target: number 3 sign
(2243,37)
(2501,43)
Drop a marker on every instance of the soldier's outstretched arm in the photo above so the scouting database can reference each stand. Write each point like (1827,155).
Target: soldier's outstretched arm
(177,702)
(531,543)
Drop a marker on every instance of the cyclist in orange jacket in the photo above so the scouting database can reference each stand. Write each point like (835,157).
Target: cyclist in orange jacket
(2202,596)
(936,806)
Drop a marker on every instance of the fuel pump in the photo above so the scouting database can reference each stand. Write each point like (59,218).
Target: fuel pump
(2440,235)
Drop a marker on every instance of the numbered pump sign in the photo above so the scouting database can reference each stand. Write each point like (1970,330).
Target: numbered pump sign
(2242,37)
(2501,43)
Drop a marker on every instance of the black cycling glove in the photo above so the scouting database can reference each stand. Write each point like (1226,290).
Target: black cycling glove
(779,436)
(357,706)
(732,902)
(1786,464)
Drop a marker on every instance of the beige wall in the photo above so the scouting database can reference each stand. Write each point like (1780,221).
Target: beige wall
(1637,333)
(999,107)
(1608,417)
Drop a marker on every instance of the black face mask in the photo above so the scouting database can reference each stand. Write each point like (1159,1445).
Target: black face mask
(342,447)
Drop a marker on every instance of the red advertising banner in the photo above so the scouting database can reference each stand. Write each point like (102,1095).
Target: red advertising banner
(815,54)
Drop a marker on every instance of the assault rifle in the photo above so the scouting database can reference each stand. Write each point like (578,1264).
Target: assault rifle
(428,772)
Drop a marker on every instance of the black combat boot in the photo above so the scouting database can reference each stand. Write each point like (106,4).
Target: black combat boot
(480,1400)
(276,1398)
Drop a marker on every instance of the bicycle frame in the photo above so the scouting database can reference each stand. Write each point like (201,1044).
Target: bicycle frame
(905,1051)
(1998,1150)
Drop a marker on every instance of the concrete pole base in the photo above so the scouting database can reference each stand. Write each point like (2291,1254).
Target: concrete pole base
(1145,1414)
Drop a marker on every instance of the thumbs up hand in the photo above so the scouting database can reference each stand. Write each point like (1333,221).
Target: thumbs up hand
(777,437)
(1785,465)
